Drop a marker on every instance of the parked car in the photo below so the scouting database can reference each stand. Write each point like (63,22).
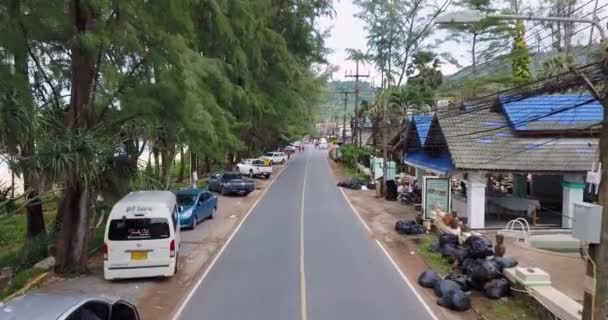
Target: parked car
(254,168)
(60,307)
(195,205)
(275,157)
(142,236)
(230,183)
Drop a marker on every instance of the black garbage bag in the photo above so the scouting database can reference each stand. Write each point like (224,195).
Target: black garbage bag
(478,247)
(457,301)
(452,253)
(434,247)
(497,288)
(482,272)
(469,265)
(408,227)
(391,191)
(461,279)
(448,238)
(428,278)
(505,262)
(445,287)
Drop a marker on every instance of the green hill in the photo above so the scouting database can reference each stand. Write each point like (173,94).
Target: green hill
(332,103)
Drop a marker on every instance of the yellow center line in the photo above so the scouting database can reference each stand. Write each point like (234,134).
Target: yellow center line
(304,307)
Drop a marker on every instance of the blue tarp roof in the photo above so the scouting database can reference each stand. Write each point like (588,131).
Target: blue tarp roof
(553,112)
(441,162)
(423,124)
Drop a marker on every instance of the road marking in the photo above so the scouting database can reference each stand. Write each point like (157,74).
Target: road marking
(303,304)
(390,258)
(181,308)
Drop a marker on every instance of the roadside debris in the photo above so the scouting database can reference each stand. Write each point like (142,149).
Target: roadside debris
(475,268)
(408,227)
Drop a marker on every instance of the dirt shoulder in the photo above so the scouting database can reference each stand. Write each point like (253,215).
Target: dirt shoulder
(157,298)
(380,216)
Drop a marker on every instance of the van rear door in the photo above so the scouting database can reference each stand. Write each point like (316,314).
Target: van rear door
(139,242)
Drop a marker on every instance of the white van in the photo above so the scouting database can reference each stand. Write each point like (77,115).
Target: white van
(142,236)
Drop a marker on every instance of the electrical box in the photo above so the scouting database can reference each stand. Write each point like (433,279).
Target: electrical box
(587,222)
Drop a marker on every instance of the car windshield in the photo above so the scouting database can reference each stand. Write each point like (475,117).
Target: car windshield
(269,154)
(139,229)
(231,175)
(185,199)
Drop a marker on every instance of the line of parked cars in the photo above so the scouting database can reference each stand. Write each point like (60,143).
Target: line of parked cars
(142,240)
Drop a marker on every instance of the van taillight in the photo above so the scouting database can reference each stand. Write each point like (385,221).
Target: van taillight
(104,249)
(172,249)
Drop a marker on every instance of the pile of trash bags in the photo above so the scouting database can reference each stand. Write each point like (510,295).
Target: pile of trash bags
(450,293)
(408,227)
(353,183)
(479,270)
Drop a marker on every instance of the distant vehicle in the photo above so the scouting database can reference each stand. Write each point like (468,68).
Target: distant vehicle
(254,168)
(290,148)
(60,307)
(275,157)
(195,205)
(323,145)
(142,236)
(230,183)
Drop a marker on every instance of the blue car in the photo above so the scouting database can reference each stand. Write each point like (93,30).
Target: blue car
(195,205)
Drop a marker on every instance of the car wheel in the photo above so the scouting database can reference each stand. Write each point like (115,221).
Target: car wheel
(212,213)
(251,174)
(194,221)
(223,191)
(267,176)
(283,161)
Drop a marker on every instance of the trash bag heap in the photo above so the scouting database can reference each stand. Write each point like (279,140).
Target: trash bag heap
(408,227)
(476,268)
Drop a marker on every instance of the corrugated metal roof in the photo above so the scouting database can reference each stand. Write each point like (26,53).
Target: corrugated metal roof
(423,123)
(553,112)
(441,162)
(483,140)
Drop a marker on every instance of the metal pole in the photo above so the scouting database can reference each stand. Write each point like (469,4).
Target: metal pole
(595,22)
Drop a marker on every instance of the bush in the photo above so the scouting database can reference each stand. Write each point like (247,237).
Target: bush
(347,154)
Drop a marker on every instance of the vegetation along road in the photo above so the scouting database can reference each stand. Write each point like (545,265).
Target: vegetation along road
(302,253)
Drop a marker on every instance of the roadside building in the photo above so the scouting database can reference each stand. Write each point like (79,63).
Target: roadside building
(519,157)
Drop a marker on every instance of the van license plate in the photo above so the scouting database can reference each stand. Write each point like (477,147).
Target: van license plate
(139,255)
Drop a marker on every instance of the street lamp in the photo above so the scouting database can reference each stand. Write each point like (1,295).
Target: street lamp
(474,16)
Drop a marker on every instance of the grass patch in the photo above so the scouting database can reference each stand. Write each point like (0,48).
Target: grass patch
(508,309)
(20,280)
(433,259)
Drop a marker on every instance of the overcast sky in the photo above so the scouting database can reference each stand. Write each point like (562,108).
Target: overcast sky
(347,32)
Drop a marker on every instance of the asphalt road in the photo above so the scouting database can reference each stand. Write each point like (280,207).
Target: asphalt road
(263,272)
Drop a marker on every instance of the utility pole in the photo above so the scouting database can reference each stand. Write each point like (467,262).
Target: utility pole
(346,93)
(356,129)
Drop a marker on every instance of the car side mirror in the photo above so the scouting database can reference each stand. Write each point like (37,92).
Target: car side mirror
(122,310)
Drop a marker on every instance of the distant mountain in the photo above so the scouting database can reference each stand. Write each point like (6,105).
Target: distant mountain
(501,65)
(332,103)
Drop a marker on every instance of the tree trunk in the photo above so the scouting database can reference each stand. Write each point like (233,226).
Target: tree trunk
(33,210)
(34,218)
(168,156)
(155,153)
(72,243)
(207,165)
(182,164)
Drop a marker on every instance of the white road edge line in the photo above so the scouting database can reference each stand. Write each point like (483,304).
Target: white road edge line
(303,303)
(181,308)
(390,258)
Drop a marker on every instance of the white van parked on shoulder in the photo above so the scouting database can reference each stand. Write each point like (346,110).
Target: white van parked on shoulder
(142,236)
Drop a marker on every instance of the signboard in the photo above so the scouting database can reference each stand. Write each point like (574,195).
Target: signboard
(436,192)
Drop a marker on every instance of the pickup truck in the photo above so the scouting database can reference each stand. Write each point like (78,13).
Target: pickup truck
(230,183)
(254,168)
(275,157)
